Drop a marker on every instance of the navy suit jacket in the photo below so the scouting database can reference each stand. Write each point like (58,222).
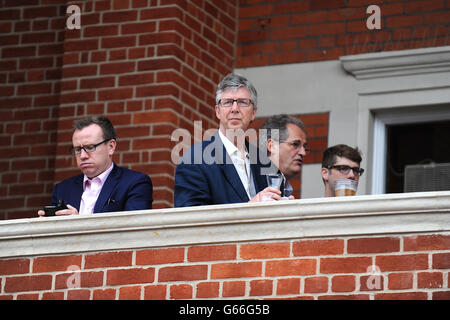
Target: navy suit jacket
(123,190)
(206,175)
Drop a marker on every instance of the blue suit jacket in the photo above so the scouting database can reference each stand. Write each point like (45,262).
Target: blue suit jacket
(123,190)
(206,175)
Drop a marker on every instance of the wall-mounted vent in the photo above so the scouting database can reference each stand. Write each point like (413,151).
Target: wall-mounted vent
(427,177)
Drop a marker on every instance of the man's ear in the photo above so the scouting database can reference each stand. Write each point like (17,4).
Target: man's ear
(112,144)
(270,145)
(325,172)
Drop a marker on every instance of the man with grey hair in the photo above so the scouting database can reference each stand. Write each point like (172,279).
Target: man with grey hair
(103,186)
(286,144)
(225,168)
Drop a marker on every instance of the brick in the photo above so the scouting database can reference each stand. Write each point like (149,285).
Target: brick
(28,296)
(430,280)
(441,295)
(28,283)
(290,267)
(115,94)
(427,243)
(402,296)
(104,294)
(208,290)
(86,279)
(402,262)
(53,295)
(130,293)
(117,67)
(119,16)
(100,31)
(441,261)
(183,273)
(155,117)
(139,28)
(14,266)
(236,270)
(373,245)
(345,265)
(118,42)
(100,82)
(265,250)
(212,253)
(137,79)
(233,289)
(181,291)
(155,292)
(288,286)
(55,263)
(318,247)
(130,276)
(159,256)
(373,282)
(78,294)
(261,287)
(159,64)
(316,285)
(344,297)
(343,283)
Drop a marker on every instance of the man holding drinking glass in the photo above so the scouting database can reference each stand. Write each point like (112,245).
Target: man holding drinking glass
(340,162)
(225,168)
(286,143)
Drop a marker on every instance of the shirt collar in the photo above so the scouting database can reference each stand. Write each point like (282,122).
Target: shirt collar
(229,146)
(102,177)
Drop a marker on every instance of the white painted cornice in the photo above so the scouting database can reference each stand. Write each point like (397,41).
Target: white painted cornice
(398,63)
(307,218)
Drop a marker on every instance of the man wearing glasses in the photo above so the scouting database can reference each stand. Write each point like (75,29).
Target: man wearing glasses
(340,162)
(286,147)
(102,186)
(223,169)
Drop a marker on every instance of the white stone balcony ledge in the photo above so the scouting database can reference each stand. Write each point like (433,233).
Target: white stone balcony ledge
(423,212)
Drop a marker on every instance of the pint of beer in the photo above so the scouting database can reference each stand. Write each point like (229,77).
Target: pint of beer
(345,187)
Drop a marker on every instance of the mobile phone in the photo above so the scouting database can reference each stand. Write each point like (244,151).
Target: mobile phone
(50,210)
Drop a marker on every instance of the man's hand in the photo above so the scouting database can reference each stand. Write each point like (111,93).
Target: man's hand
(66,212)
(268,194)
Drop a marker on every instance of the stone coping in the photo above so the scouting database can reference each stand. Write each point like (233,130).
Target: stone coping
(422,212)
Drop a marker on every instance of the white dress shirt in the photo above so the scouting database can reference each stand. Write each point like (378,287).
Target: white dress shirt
(92,189)
(242,164)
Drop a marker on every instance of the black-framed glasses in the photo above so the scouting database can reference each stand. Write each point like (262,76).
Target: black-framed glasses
(357,171)
(298,145)
(88,148)
(242,103)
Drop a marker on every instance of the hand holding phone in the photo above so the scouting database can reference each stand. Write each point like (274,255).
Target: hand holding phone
(50,210)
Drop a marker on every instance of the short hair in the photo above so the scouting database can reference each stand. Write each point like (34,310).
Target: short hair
(280,122)
(235,81)
(107,128)
(340,150)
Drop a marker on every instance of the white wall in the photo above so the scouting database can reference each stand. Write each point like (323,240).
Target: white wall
(375,84)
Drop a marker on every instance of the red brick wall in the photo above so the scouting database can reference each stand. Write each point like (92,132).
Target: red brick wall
(410,267)
(150,66)
(284,31)
(31,49)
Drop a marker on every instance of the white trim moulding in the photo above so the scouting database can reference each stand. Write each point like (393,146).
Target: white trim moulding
(422,212)
(398,63)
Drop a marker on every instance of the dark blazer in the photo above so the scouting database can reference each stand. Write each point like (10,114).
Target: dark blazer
(123,190)
(206,175)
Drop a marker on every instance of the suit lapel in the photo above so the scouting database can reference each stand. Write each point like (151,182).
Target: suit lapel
(75,195)
(107,189)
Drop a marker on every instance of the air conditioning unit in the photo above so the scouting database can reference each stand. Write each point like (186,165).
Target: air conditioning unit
(427,177)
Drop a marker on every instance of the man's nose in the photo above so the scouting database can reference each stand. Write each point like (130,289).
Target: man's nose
(234,106)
